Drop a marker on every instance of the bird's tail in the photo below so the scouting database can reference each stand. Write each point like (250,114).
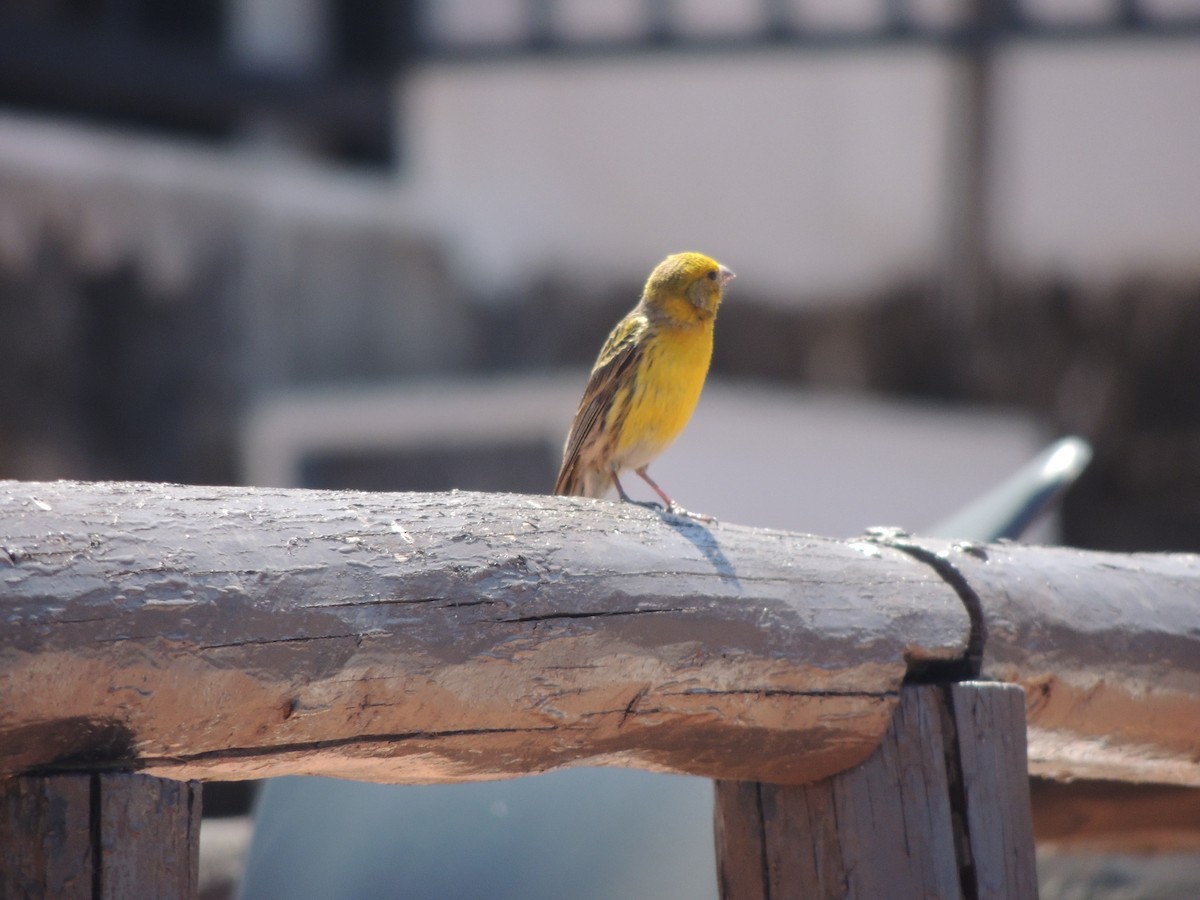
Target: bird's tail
(575,481)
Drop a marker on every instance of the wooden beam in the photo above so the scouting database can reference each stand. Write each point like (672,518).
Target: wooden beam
(1106,646)
(99,836)
(987,759)
(941,809)
(1113,817)
(235,633)
(222,633)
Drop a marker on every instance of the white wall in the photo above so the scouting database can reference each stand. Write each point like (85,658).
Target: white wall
(801,173)
(809,174)
(1098,159)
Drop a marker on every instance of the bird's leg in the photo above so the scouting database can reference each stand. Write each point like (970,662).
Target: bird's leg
(672,506)
(624,496)
(645,476)
(617,481)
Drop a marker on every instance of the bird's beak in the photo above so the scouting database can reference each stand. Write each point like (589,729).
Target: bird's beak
(725,275)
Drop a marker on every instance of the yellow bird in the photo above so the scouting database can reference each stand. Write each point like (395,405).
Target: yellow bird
(646,380)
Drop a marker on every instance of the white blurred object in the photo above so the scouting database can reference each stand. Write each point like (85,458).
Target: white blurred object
(826,463)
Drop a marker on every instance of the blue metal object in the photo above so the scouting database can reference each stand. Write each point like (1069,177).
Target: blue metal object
(1006,511)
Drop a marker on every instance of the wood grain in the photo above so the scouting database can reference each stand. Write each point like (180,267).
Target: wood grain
(1113,817)
(44,832)
(740,835)
(989,721)
(99,836)
(936,811)
(881,829)
(1107,648)
(148,836)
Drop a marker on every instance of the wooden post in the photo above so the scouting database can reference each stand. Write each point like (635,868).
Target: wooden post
(99,836)
(941,809)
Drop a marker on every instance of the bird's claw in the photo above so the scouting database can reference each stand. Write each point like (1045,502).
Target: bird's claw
(673,509)
(676,510)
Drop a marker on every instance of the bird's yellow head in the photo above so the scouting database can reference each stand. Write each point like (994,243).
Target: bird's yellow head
(686,288)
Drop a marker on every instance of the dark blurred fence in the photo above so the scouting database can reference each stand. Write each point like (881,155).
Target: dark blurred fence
(664,25)
(177,67)
(184,68)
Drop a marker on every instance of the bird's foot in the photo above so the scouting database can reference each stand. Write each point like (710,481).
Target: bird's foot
(672,508)
(676,510)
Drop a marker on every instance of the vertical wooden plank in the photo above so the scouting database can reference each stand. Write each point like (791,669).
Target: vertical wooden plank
(741,856)
(810,810)
(99,837)
(149,837)
(941,809)
(45,837)
(990,723)
(912,842)
(882,829)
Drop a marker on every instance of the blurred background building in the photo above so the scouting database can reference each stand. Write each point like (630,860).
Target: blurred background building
(982,201)
(277,240)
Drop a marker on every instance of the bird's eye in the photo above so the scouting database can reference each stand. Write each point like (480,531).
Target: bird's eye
(712,275)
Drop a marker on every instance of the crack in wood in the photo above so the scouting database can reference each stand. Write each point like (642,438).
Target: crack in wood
(333,743)
(302,639)
(960,823)
(371,601)
(759,822)
(779,692)
(601,614)
(581,667)
(135,763)
(633,702)
(95,837)
(939,671)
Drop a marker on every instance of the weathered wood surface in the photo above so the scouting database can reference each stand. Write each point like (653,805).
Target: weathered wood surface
(1107,647)
(98,836)
(232,633)
(45,835)
(941,809)
(1115,817)
(989,750)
